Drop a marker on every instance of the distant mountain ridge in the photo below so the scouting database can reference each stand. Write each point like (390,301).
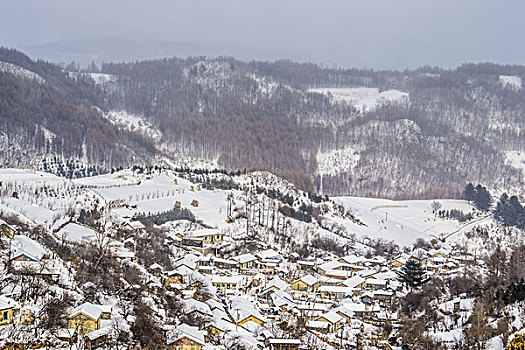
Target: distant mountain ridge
(412,134)
(118,49)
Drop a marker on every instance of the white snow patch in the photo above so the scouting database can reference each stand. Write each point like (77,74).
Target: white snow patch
(363,99)
(76,233)
(102,78)
(402,221)
(337,161)
(516,159)
(133,122)
(20,72)
(511,81)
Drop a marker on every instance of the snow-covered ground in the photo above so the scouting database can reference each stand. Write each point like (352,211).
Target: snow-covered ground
(133,122)
(158,193)
(20,72)
(336,161)
(363,99)
(516,159)
(511,81)
(401,221)
(102,78)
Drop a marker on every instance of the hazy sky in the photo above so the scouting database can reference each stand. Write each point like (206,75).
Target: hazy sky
(367,33)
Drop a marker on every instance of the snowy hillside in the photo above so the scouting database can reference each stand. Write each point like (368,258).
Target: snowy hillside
(512,82)
(363,99)
(20,72)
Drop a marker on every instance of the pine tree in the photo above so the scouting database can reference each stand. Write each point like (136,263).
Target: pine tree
(469,193)
(483,199)
(413,274)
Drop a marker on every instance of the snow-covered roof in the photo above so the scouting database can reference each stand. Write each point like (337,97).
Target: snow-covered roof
(156,266)
(332,265)
(244,258)
(242,308)
(189,332)
(7,303)
(336,289)
(308,279)
(352,259)
(23,245)
(227,279)
(348,308)
(192,305)
(331,317)
(317,324)
(89,309)
(278,284)
(353,282)
(203,233)
(268,254)
(136,225)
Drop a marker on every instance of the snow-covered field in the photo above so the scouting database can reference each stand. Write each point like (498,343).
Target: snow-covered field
(511,81)
(402,221)
(399,221)
(363,99)
(158,193)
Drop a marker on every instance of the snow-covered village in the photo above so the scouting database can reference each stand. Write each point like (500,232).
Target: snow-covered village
(262,175)
(185,259)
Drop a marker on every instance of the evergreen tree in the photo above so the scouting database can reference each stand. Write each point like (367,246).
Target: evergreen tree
(483,199)
(469,193)
(413,274)
(501,206)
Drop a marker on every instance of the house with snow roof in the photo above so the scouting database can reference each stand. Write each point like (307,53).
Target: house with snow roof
(225,283)
(269,254)
(135,226)
(205,235)
(243,311)
(88,317)
(306,283)
(333,320)
(24,248)
(275,285)
(7,310)
(245,261)
(185,337)
(335,292)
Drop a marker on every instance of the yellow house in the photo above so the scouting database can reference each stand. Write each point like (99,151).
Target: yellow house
(333,319)
(7,310)
(207,236)
(214,330)
(245,261)
(85,318)
(306,283)
(227,282)
(253,318)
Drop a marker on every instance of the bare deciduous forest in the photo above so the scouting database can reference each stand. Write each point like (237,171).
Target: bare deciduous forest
(454,128)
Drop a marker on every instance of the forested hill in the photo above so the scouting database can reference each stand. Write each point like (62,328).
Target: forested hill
(411,134)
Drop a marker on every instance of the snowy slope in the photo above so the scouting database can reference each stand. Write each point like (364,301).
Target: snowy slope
(401,221)
(20,72)
(363,99)
(336,161)
(512,82)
